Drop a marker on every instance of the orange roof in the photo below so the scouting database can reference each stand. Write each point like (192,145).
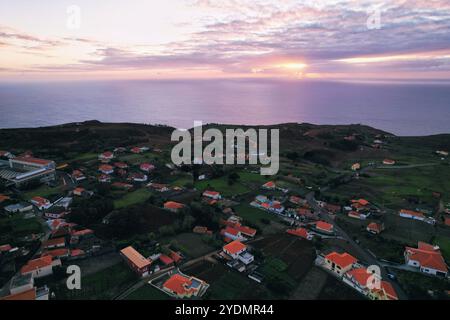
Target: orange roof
(322,225)
(105,167)
(300,232)
(428,256)
(210,193)
(175,256)
(234,247)
(29,294)
(33,160)
(269,184)
(3,198)
(362,202)
(388,290)
(178,284)
(173,205)
(39,199)
(245,230)
(135,257)
(360,275)
(54,242)
(374,227)
(5,247)
(78,190)
(36,264)
(412,213)
(343,260)
(231,230)
(166,259)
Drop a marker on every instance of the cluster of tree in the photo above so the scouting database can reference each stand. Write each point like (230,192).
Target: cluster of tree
(91,212)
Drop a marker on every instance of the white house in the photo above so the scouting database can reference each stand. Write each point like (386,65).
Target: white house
(427,258)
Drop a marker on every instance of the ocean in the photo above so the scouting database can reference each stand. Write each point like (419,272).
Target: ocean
(402,109)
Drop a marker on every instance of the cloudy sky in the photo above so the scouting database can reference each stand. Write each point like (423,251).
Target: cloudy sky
(183,39)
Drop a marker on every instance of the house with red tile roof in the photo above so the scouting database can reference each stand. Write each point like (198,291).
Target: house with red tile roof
(232,233)
(388,162)
(301,232)
(136,150)
(360,279)
(270,185)
(147,167)
(415,215)
(339,263)
(40,267)
(106,169)
(375,228)
(324,227)
(173,206)
(427,258)
(121,165)
(54,243)
(234,248)
(385,292)
(139,177)
(57,253)
(212,194)
(136,261)
(358,215)
(41,203)
(182,286)
(78,175)
(106,156)
(79,191)
(166,260)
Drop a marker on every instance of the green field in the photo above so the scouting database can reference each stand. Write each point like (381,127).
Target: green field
(102,285)
(221,185)
(444,243)
(190,244)
(16,226)
(42,191)
(137,196)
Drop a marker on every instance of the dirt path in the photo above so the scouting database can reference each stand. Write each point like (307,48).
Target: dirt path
(310,286)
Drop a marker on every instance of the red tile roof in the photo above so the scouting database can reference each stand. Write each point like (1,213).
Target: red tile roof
(300,232)
(33,160)
(343,260)
(362,202)
(135,257)
(428,256)
(360,275)
(5,247)
(412,213)
(173,205)
(234,247)
(29,294)
(54,242)
(376,227)
(178,284)
(105,167)
(210,193)
(166,259)
(322,225)
(36,264)
(231,230)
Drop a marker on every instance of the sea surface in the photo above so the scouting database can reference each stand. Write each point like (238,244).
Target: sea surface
(402,109)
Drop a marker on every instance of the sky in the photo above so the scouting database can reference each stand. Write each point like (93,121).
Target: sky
(402,40)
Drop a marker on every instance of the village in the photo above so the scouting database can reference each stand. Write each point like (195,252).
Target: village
(140,227)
